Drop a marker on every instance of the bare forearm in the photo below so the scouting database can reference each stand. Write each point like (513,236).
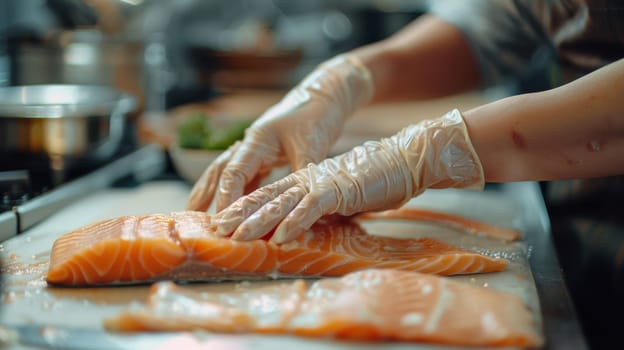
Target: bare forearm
(574,131)
(427,59)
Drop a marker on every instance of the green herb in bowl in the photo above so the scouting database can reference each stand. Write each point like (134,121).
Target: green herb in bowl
(199,132)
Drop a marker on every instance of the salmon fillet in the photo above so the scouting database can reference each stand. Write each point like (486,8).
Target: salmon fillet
(181,246)
(375,304)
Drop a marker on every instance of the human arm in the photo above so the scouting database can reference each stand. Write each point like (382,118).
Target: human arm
(429,58)
(573,131)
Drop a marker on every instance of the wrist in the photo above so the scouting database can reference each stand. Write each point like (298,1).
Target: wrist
(344,79)
(440,154)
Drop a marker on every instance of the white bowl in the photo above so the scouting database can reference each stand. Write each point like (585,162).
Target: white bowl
(191,163)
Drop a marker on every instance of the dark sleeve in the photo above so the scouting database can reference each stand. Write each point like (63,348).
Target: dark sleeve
(505,35)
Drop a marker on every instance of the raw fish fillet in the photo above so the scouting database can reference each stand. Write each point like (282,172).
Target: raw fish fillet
(375,304)
(181,246)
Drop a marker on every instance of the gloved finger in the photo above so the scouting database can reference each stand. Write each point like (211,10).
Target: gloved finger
(309,210)
(244,165)
(227,220)
(257,180)
(204,188)
(269,215)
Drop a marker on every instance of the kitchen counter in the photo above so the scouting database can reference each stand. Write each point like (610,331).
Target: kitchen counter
(67,316)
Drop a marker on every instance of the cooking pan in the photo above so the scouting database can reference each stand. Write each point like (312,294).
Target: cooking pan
(62,122)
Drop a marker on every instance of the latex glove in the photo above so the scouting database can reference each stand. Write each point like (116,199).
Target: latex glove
(378,175)
(298,130)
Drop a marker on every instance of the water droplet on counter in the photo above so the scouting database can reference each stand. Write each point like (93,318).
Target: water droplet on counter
(529,251)
(17,269)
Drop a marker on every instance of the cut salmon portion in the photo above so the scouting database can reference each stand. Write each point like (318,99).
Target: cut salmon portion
(129,248)
(375,304)
(181,246)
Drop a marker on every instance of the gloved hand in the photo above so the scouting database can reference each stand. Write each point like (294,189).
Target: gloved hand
(298,130)
(378,175)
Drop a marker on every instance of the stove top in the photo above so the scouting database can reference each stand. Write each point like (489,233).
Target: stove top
(32,193)
(15,189)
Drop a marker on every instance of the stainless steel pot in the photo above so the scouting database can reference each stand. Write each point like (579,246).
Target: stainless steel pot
(63,121)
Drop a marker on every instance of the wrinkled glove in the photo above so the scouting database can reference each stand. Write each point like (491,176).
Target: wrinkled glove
(299,130)
(378,175)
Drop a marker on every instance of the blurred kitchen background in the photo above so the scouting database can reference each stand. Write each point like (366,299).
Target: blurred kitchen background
(169,53)
(177,59)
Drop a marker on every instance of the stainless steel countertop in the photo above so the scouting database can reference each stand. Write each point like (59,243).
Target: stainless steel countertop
(560,322)
(33,308)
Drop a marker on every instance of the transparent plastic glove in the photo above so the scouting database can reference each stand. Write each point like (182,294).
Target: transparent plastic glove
(378,175)
(298,130)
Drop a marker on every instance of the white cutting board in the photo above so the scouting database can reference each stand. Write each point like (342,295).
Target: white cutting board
(28,300)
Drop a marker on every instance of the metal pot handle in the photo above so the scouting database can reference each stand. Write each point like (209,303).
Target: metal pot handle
(116,127)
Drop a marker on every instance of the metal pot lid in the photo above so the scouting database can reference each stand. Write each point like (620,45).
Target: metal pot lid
(62,101)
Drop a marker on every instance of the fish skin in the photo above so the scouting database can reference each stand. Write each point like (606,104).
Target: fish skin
(471,226)
(182,246)
(368,305)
